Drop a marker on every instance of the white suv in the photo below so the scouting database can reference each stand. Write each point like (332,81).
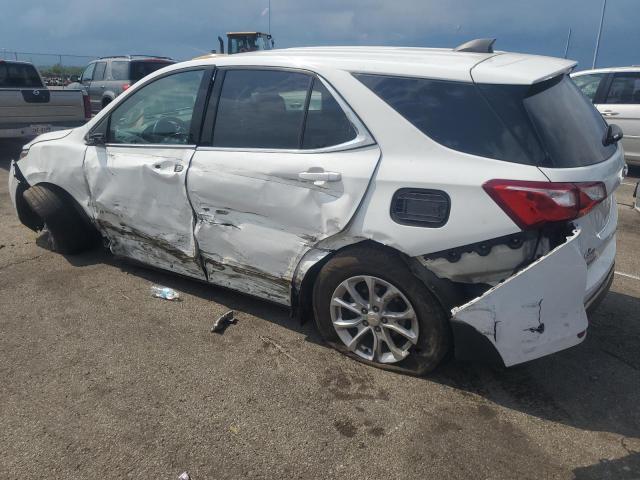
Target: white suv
(616,94)
(413,201)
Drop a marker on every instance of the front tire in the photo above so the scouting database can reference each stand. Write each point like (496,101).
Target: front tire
(69,232)
(369,305)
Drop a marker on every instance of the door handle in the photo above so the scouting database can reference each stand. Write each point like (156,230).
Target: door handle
(609,113)
(320,176)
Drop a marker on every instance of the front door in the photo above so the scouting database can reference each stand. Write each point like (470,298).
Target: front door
(137,179)
(286,165)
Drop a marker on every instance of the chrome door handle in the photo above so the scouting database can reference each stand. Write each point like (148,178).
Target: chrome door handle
(609,113)
(320,176)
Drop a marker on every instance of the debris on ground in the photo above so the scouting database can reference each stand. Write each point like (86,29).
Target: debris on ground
(220,325)
(184,476)
(165,293)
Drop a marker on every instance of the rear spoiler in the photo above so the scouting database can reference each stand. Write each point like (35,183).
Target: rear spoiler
(519,69)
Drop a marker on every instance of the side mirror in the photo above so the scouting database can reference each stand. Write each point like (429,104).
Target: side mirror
(612,135)
(96,138)
(74,78)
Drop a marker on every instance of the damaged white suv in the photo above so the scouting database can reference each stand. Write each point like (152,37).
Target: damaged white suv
(414,201)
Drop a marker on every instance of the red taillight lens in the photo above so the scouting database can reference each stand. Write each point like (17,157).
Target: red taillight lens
(87,106)
(532,204)
(125,86)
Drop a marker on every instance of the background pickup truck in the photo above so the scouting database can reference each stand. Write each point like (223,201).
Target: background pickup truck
(28,108)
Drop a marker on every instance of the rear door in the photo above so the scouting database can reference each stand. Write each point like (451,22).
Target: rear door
(137,179)
(284,165)
(97,86)
(621,106)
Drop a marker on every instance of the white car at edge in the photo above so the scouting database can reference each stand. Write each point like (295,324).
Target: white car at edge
(413,201)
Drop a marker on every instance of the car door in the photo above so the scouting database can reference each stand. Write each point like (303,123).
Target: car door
(97,86)
(136,176)
(285,164)
(86,78)
(621,106)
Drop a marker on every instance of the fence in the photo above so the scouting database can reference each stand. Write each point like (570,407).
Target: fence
(55,68)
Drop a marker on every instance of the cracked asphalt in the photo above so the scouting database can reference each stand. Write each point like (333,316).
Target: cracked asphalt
(100,380)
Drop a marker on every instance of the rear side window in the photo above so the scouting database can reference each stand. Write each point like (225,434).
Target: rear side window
(549,124)
(588,84)
(624,89)
(141,69)
(326,123)
(278,110)
(453,114)
(120,70)
(19,75)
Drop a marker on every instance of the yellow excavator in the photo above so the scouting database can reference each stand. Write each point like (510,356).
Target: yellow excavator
(240,42)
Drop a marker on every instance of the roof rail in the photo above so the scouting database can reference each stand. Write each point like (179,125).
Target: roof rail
(135,56)
(478,45)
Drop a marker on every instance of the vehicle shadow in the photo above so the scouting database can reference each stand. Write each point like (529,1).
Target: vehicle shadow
(594,386)
(625,468)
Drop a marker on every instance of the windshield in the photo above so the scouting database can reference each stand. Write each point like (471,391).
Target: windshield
(248,43)
(19,75)
(141,69)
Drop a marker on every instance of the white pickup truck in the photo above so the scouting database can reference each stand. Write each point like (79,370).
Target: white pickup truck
(28,108)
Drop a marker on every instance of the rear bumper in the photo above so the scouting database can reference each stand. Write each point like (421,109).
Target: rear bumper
(536,312)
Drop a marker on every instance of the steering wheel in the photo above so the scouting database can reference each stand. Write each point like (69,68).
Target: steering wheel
(168,127)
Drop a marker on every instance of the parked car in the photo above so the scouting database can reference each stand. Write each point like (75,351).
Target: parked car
(616,94)
(28,108)
(106,78)
(412,201)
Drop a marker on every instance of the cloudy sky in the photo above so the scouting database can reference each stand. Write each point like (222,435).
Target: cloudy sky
(185,28)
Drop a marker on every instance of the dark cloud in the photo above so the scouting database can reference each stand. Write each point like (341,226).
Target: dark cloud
(186,28)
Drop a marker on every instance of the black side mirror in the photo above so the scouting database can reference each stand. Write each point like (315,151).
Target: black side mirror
(612,135)
(96,138)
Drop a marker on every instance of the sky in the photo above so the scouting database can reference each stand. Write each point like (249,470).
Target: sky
(183,29)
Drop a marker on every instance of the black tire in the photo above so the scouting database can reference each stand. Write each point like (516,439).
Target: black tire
(69,232)
(434,338)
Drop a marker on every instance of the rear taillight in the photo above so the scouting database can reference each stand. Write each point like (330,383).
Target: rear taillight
(87,106)
(125,86)
(532,204)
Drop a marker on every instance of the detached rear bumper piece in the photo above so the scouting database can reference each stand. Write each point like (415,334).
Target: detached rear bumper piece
(538,311)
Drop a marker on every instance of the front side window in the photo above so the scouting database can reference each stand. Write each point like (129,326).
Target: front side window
(624,89)
(278,110)
(158,113)
(588,84)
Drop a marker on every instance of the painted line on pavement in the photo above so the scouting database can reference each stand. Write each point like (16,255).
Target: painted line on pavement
(628,275)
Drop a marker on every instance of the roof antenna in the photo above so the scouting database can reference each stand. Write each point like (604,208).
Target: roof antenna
(479,45)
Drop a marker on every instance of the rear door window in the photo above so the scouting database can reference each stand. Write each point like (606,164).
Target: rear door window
(588,84)
(19,75)
(98,74)
(261,109)
(624,89)
(119,70)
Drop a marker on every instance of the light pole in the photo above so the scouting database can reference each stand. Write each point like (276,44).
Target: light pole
(269,7)
(595,54)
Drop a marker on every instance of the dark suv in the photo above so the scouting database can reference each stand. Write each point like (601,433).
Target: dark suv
(106,78)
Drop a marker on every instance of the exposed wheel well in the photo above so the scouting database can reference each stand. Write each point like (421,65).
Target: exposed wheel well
(68,199)
(448,293)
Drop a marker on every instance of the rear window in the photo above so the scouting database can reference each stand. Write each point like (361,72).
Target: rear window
(19,75)
(141,69)
(548,124)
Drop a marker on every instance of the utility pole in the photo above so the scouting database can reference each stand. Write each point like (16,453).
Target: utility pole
(595,54)
(566,48)
(269,7)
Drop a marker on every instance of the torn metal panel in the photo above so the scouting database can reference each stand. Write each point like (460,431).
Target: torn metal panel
(139,202)
(538,311)
(256,217)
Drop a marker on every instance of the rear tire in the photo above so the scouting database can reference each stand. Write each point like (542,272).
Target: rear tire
(69,232)
(390,277)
